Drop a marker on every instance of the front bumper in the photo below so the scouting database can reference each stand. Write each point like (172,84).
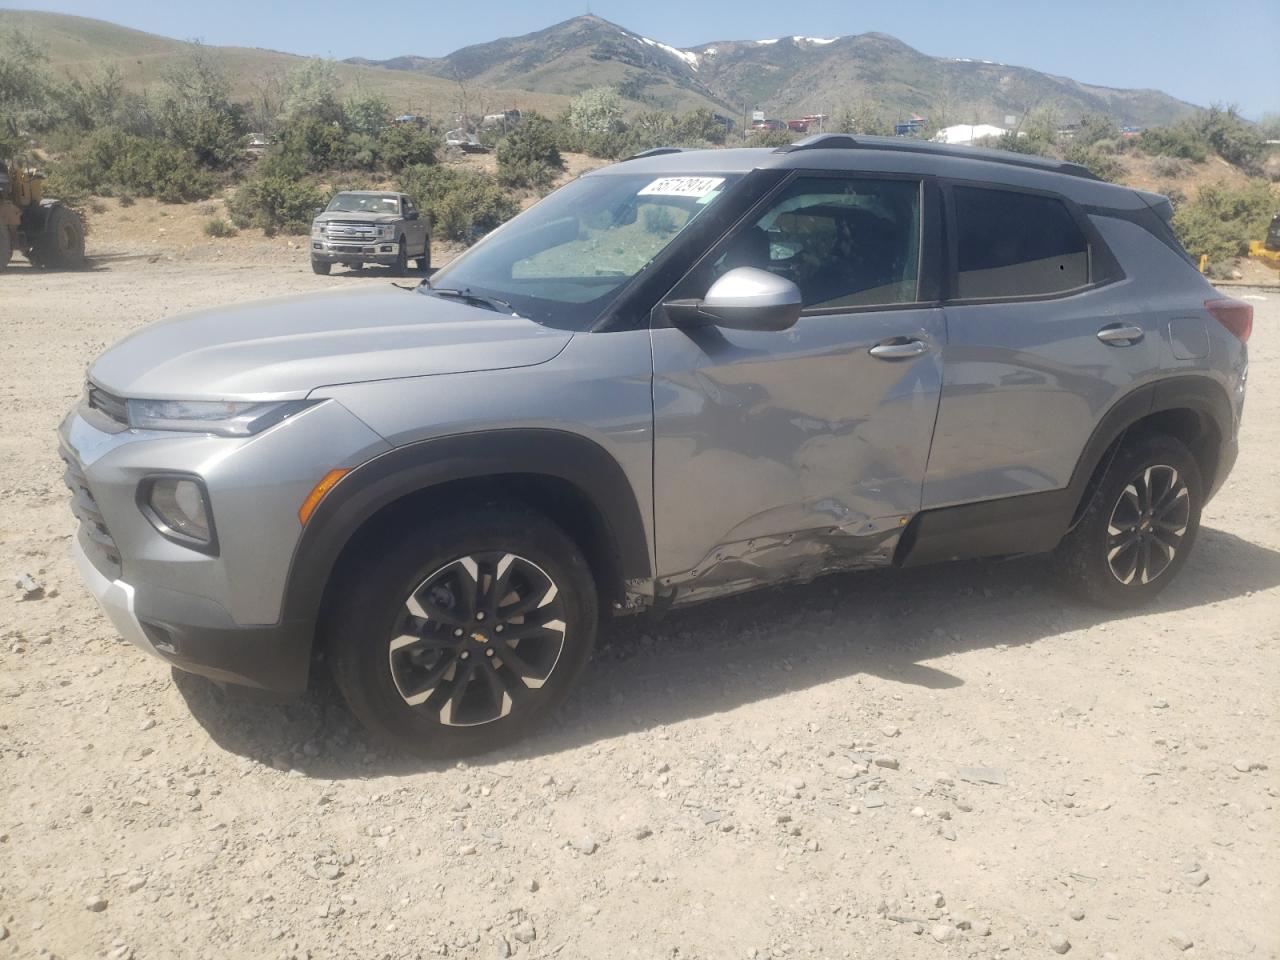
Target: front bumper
(218,614)
(374,251)
(275,658)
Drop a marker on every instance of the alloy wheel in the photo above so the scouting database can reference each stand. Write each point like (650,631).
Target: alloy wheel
(1147,525)
(477,637)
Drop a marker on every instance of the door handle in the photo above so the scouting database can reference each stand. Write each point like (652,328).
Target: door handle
(1120,335)
(899,349)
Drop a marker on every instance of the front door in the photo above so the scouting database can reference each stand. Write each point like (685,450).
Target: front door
(786,454)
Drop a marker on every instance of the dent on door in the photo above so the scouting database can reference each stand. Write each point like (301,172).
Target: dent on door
(787,455)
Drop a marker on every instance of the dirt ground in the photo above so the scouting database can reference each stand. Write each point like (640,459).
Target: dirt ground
(951,762)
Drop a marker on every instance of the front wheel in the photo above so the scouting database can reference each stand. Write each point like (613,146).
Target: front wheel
(1139,527)
(423,263)
(465,632)
(401,266)
(321,267)
(61,244)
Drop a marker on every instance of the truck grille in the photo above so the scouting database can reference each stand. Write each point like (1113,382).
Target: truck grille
(350,230)
(93,529)
(108,404)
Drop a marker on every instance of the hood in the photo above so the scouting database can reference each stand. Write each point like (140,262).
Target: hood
(356,217)
(287,347)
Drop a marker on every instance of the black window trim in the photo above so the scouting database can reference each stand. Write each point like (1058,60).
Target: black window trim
(930,257)
(1104,268)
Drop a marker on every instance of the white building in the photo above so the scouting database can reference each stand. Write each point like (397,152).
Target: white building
(968,133)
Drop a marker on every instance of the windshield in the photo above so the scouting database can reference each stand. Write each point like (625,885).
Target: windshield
(364,203)
(564,259)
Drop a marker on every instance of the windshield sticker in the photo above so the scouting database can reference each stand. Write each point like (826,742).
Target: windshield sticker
(696,187)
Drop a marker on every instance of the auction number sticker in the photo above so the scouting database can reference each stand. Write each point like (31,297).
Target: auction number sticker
(682,187)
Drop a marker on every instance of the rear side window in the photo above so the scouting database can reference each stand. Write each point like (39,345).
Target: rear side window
(1016,245)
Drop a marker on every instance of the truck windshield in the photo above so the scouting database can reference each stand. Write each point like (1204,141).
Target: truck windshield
(563,260)
(364,203)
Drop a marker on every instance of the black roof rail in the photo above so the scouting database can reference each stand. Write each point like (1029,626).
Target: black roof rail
(655,152)
(845,141)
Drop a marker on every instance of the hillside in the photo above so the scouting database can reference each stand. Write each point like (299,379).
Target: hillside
(786,76)
(79,44)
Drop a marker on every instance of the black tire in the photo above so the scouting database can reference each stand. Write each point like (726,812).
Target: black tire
(401,266)
(61,242)
(1139,526)
(424,261)
(6,246)
(357,266)
(321,267)
(432,566)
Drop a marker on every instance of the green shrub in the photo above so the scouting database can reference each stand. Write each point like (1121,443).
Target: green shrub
(402,145)
(109,162)
(596,111)
(275,204)
(1184,140)
(1223,219)
(770,138)
(463,205)
(1232,139)
(1102,165)
(529,155)
(1173,167)
(217,227)
(309,145)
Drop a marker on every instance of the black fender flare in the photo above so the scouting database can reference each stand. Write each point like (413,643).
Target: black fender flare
(415,467)
(1200,394)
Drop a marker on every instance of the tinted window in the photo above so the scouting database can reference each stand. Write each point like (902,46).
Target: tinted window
(1017,245)
(843,242)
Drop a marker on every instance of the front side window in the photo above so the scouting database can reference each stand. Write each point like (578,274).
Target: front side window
(564,259)
(843,242)
(1016,245)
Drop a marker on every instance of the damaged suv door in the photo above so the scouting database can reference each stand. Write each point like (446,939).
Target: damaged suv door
(787,455)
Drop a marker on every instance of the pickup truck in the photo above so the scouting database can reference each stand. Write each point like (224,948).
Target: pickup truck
(370,226)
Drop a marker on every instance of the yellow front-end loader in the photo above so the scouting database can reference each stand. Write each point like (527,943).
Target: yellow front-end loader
(46,232)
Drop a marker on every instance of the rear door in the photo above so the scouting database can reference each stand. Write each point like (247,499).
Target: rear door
(1043,337)
(788,453)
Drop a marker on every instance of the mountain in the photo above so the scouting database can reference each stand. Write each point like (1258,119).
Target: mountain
(77,45)
(784,76)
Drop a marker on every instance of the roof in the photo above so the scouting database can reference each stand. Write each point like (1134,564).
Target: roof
(887,155)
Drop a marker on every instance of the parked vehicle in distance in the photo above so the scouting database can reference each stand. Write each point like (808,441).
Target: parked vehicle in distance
(769,125)
(679,377)
(370,226)
(464,141)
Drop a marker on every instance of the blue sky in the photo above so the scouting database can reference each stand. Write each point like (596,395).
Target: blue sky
(1214,50)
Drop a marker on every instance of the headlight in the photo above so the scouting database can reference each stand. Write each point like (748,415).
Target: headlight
(317,229)
(385,231)
(232,418)
(179,509)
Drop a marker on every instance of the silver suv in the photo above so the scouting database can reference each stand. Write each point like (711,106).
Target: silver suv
(370,226)
(683,376)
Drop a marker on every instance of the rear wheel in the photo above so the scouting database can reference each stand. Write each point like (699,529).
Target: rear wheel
(321,267)
(6,246)
(61,243)
(1139,527)
(464,633)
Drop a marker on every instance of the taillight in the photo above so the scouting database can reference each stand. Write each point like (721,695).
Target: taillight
(1235,315)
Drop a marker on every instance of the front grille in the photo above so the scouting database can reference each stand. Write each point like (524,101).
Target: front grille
(93,529)
(353,230)
(108,404)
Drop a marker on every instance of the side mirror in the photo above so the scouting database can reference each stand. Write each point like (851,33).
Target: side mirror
(745,298)
(319,210)
(411,216)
